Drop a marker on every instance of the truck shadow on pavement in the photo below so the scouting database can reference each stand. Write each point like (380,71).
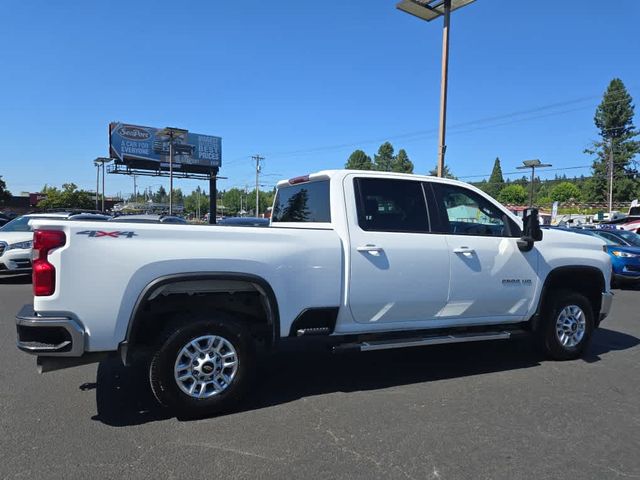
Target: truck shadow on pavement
(21,279)
(124,397)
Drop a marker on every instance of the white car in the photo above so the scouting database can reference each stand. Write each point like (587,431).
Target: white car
(16,239)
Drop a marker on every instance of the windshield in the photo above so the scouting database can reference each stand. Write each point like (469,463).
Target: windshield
(20,224)
(631,237)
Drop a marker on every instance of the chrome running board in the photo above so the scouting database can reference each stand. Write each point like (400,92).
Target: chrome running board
(432,340)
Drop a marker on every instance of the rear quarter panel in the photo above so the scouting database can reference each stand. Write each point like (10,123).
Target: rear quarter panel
(100,278)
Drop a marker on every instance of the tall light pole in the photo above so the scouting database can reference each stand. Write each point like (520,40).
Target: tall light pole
(533,164)
(102,161)
(430,10)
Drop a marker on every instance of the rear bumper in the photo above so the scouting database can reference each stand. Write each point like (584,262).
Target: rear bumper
(49,336)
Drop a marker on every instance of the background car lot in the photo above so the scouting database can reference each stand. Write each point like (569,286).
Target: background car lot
(458,411)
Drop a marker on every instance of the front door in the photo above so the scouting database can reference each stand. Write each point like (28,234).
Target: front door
(490,276)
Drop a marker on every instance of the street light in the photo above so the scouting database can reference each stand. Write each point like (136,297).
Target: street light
(172,133)
(430,10)
(101,161)
(533,164)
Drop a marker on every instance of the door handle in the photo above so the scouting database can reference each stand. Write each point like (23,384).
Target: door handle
(464,250)
(370,249)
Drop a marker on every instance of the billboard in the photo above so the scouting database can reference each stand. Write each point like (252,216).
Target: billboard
(147,148)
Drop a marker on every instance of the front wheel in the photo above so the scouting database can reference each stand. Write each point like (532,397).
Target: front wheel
(568,325)
(202,367)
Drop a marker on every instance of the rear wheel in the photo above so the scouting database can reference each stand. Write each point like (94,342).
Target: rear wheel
(202,367)
(568,325)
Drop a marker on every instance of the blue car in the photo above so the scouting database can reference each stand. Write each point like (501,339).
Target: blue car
(623,248)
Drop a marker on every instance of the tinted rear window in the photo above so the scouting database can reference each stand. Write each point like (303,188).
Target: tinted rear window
(306,202)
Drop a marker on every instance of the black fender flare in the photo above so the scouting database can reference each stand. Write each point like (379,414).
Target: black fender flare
(568,269)
(271,304)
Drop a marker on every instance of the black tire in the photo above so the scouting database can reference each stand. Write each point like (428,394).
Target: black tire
(552,344)
(163,362)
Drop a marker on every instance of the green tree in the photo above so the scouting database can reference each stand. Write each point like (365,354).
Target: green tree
(195,198)
(401,163)
(512,195)
(446,173)
(359,160)
(496,180)
(234,200)
(160,196)
(68,197)
(564,191)
(383,160)
(614,119)
(5,195)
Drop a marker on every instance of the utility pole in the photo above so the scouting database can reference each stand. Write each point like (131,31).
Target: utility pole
(610,177)
(258,159)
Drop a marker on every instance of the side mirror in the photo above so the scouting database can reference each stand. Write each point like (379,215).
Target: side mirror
(531,230)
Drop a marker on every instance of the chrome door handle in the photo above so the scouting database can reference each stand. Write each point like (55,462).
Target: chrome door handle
(371,249)
(464,250)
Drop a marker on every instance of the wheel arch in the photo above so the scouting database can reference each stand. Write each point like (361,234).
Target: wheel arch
(584,279)
(263,287)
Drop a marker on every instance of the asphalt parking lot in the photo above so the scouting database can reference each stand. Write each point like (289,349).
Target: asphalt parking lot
(482,411)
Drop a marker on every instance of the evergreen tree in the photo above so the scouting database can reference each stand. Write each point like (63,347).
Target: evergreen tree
(446,173)
(5,194)
(359,160)
(383,160)
(401,163)
(496,180)
(614,119)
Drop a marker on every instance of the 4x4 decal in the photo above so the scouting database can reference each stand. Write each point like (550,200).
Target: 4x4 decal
(100,233)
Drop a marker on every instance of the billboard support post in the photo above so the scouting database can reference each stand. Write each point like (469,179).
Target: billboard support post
(171,176)
(213,194)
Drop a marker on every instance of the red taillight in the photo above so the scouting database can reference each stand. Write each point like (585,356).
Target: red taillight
(44,274)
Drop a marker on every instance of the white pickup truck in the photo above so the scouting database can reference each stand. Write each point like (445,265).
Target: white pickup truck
(363,260)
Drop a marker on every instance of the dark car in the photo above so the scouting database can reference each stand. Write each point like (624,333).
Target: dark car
(149,218)
(244,221)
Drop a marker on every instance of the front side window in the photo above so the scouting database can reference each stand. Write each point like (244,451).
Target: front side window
(306,202)
(386,205)
(464,212)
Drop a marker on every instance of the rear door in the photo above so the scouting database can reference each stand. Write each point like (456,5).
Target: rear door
(399,272)
(490,276)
